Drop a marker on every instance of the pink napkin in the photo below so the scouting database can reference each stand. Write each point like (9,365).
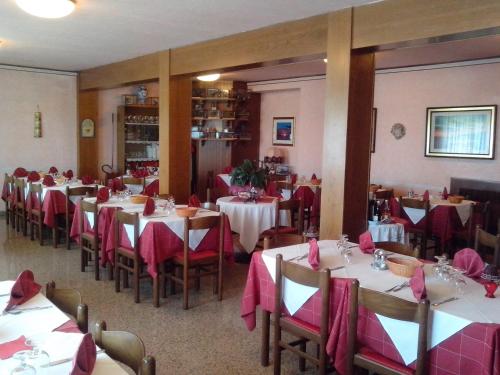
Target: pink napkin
(417,284)
(68,174)
(23,290)
(87,180)
(470,261)
(313,257)
(272,190)
(194,201)
(445,193)
(84,360)
(366,244)
(8,349)
(20,172)
(48,180)
(149,207)
(53,170)
(426,195)
(33,176)
(102,195)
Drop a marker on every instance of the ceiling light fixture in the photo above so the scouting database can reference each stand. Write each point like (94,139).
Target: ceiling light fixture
(209,77)
(325,60)
(47,8)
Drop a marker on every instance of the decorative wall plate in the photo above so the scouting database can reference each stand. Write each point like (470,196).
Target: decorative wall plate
(398,130)
(87,128)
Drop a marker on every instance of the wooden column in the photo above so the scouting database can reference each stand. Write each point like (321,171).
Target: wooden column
(87,147)
(164,113)
(348,111)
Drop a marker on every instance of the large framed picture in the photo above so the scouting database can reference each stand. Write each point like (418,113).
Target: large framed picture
(283,131)
(461,132)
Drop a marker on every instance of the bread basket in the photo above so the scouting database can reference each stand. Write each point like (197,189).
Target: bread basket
(316,181)
(403,266)
(138,199)
(455,199)
(186,211)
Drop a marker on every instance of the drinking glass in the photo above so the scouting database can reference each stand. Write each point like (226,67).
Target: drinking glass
(22,368)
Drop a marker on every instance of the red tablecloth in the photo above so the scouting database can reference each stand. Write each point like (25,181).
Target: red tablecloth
(473,350)
(307,195)
(219,183)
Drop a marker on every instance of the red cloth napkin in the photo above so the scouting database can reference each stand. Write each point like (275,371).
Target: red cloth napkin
(426,195)
(8,349)
(194,201)
(149,207)
(87,180)
(102,195)
(20,172)
(313,177)
(48,180)
(33,176)
(417,284)
(53,170)
(116,184)
(272,190)
(68,174)
(366,243)
(140,173)
(152,189)
(23,289)
(470,261)
(84,360)
(445,193)
(313,257)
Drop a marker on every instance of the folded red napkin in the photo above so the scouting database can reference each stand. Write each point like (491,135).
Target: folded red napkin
(313,177)
(23,289)
(102,195)
(116,184)
(194,201)
(417,284)
(149,207)
(68,174)
(426,195)
(313,257)
(445,193)
(53,170)
(33,176)
(366,243)
(48,180)
(20,172)
(8,349)
(470,261)
(272,190)
(88,180)
(84,360)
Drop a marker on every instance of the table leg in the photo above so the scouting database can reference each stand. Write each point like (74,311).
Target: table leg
(264,355)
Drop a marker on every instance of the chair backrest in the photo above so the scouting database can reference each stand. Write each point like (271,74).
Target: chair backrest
(124,347)
(36,190)
(122,218)
(296,208)
(9,182)
(214,193)
(204,222)
(391,307)
(70,302)
(283,239)
(308,277)
(416,204)
(486,239)
(284,185)
(384,194)
(399,248)
(479,215)
(91,208)
(210,206)
(134,181)
(19,186)
(89,191)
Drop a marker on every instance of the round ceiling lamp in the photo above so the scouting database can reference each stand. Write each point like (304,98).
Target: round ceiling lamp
(209,77)
(47,8)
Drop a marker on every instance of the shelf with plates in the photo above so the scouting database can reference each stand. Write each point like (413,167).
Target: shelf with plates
(141,159)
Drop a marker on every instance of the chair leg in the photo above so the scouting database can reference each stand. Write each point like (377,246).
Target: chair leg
(40,230)
(96,262)
(125,275)
(264,354)
(55,236)
(32,231)
(277,349)
(185,286)
(219,283)
(25,225)
(156,291)
(322,360)
(137,297)
(302,360)
(163,281)
(173,286)
(83,258)
(197,280)
(117,275)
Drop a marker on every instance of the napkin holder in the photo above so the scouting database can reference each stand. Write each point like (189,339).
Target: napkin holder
(379,260)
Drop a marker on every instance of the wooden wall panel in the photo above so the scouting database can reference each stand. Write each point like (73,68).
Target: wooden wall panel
(283,41)
(395,21)
(210,156)
(87,147)
(164,113)
(139,69)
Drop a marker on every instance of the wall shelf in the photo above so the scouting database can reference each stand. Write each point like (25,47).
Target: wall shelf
(142,123)
(141,159)
(142,142)
(214,99)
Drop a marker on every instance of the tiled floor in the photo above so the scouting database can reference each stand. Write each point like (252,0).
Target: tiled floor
(210,338)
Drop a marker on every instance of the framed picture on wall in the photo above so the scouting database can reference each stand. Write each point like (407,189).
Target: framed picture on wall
(283,131)
(373,133)
(461,132)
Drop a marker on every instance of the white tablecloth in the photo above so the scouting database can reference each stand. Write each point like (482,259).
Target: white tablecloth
(463,210)
(137,189)
(387,232)
(447,319)
(61,188)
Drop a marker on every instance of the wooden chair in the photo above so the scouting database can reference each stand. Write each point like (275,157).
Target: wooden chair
(20,212)
(205,262)
(296,327)
(9,207)
(394,308)
(214,193)
(35,215)
(130,260)
(422,229)
(296,208)
(283,185)
(90,240)
(281,240)
(140,181)
(485,239)
(479,214)
(125,347)
(384,194)
(210,206)
(70,302)
(399,248)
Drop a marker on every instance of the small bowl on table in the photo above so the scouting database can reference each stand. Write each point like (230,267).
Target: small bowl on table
(138,199)
(403,266)
(457,199)
(186,211)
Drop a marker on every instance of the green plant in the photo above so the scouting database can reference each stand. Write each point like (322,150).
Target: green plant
(248,174)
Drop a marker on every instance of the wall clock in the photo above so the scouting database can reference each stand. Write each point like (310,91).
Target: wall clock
(88,128)
(398,130)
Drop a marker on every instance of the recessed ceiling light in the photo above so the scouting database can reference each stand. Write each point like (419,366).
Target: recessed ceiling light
(325,60)
(209,77)
(47,8)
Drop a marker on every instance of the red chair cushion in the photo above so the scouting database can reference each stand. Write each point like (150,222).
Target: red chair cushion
(369,354)
(302,324)
(196,256)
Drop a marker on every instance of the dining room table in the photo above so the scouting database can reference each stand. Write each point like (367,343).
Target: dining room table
(151,185)
(388,231)
(54,333)
(464,337)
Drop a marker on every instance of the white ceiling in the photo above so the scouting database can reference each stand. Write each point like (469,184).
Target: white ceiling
(105,31)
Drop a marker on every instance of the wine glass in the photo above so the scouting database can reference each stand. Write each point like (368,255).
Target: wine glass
(22,368)
(37,357)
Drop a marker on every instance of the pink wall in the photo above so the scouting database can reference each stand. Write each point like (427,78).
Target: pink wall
(303,99)
(109,100)
(22,90)
(403,97)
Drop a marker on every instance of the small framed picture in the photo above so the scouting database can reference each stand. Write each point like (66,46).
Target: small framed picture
(87,128)
(283,131)
(129,99)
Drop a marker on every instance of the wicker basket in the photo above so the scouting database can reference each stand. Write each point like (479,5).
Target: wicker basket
(403,266)
(138,199)
(186,211)
(316,181)
(455,199)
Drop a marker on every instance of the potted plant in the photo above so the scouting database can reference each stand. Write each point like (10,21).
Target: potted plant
(247,174)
